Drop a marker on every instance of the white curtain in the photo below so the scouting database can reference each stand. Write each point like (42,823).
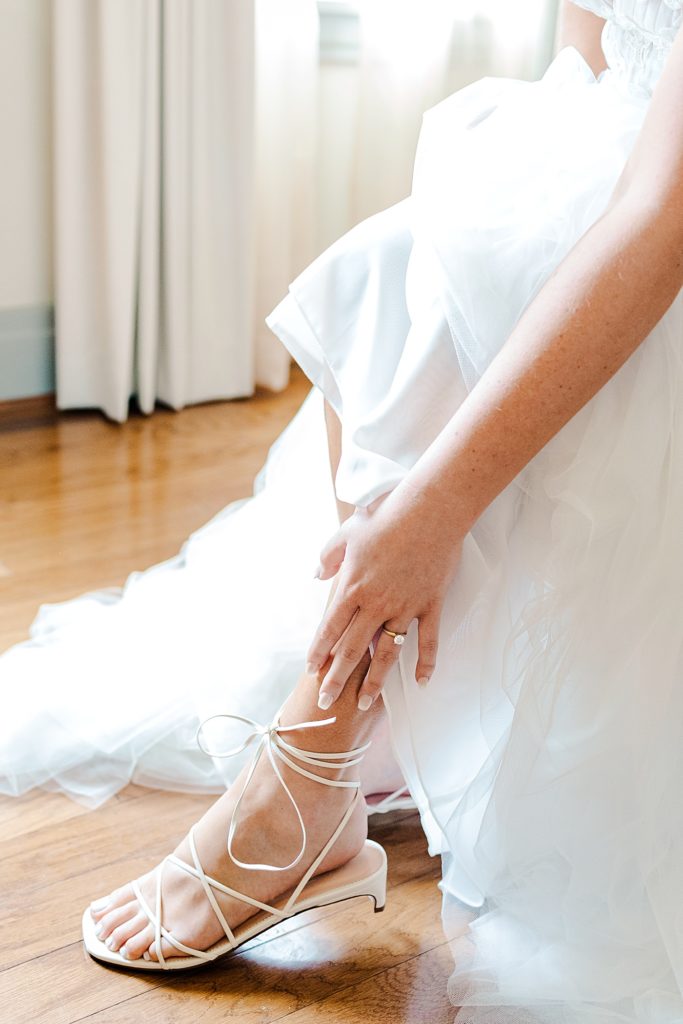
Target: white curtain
(184,140)
(189,144)
(414,53)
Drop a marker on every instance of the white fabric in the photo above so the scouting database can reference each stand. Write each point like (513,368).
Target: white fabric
(186,140)
(180,212)
(411,56)
(637,36)
(113,686)
(547,751)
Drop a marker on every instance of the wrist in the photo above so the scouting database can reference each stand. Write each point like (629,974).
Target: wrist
(436,504)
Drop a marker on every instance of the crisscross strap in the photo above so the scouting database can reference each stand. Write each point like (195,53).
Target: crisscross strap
(155,919)
(209,884)
(271,740)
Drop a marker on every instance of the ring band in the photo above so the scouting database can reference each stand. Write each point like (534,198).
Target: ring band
(399,638)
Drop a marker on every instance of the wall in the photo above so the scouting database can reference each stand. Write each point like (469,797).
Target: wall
(25,199)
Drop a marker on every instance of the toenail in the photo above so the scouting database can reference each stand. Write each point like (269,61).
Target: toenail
(99,930)
(124,953)
(100,904)
(110,943)
(146,956)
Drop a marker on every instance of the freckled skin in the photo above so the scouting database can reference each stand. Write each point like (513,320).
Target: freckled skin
(396,558)
(394,561)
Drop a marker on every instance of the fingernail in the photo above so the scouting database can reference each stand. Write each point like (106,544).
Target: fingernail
(365,702)
(423,680)
(325,701)
(310,668)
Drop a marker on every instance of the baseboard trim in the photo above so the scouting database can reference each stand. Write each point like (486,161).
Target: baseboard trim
(27,352)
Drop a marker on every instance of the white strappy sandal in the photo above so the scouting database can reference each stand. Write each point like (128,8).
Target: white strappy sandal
(364,875)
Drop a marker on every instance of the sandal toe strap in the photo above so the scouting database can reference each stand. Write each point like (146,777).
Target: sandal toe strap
(159,930)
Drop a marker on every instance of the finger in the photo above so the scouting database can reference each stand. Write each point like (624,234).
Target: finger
(427,644)
(348,653)
(334,622)
(384,658)
(332,555)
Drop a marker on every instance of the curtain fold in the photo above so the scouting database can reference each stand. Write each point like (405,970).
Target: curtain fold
(178,210)
(187,139)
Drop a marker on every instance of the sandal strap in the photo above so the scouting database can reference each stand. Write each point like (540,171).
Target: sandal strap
(199,873)
(290,905)
(270,739)
(159,930)
(399,800)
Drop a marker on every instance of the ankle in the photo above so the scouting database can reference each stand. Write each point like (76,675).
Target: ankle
(267,821)
(347,736)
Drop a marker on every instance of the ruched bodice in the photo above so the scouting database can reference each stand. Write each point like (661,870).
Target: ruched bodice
(637,36)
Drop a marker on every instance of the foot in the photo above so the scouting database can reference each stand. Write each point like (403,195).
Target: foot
(267,833)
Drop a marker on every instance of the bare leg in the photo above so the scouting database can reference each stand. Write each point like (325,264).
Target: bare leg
(268,833)
(379,771)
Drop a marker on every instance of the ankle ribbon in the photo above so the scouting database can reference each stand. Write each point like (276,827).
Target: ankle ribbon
(270,739)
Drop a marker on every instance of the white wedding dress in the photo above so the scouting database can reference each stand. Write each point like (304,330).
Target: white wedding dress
(546,754)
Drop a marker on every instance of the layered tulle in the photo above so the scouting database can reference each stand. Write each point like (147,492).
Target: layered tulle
(545,754)
(113,686)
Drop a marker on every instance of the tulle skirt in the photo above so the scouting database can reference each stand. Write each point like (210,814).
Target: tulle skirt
(546,754)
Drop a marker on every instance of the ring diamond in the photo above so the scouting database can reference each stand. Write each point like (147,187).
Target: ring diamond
(399,638)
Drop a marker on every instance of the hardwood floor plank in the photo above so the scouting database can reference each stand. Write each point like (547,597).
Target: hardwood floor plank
(304,965)
(83,503)
(412,992)
(60,988)
(35,810)
(95,853)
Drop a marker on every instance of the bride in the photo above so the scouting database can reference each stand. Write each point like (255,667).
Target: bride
(498,366)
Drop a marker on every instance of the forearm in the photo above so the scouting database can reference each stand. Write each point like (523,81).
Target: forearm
(597,307)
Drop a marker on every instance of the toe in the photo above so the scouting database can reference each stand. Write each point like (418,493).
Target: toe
(167,949)
(125,938)
(115,918)
(100,907)
(115,899)
(138,944)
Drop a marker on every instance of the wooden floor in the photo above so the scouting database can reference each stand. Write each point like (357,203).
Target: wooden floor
(83,503)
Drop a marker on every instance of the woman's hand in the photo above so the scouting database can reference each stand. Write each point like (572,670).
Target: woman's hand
(395,560)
